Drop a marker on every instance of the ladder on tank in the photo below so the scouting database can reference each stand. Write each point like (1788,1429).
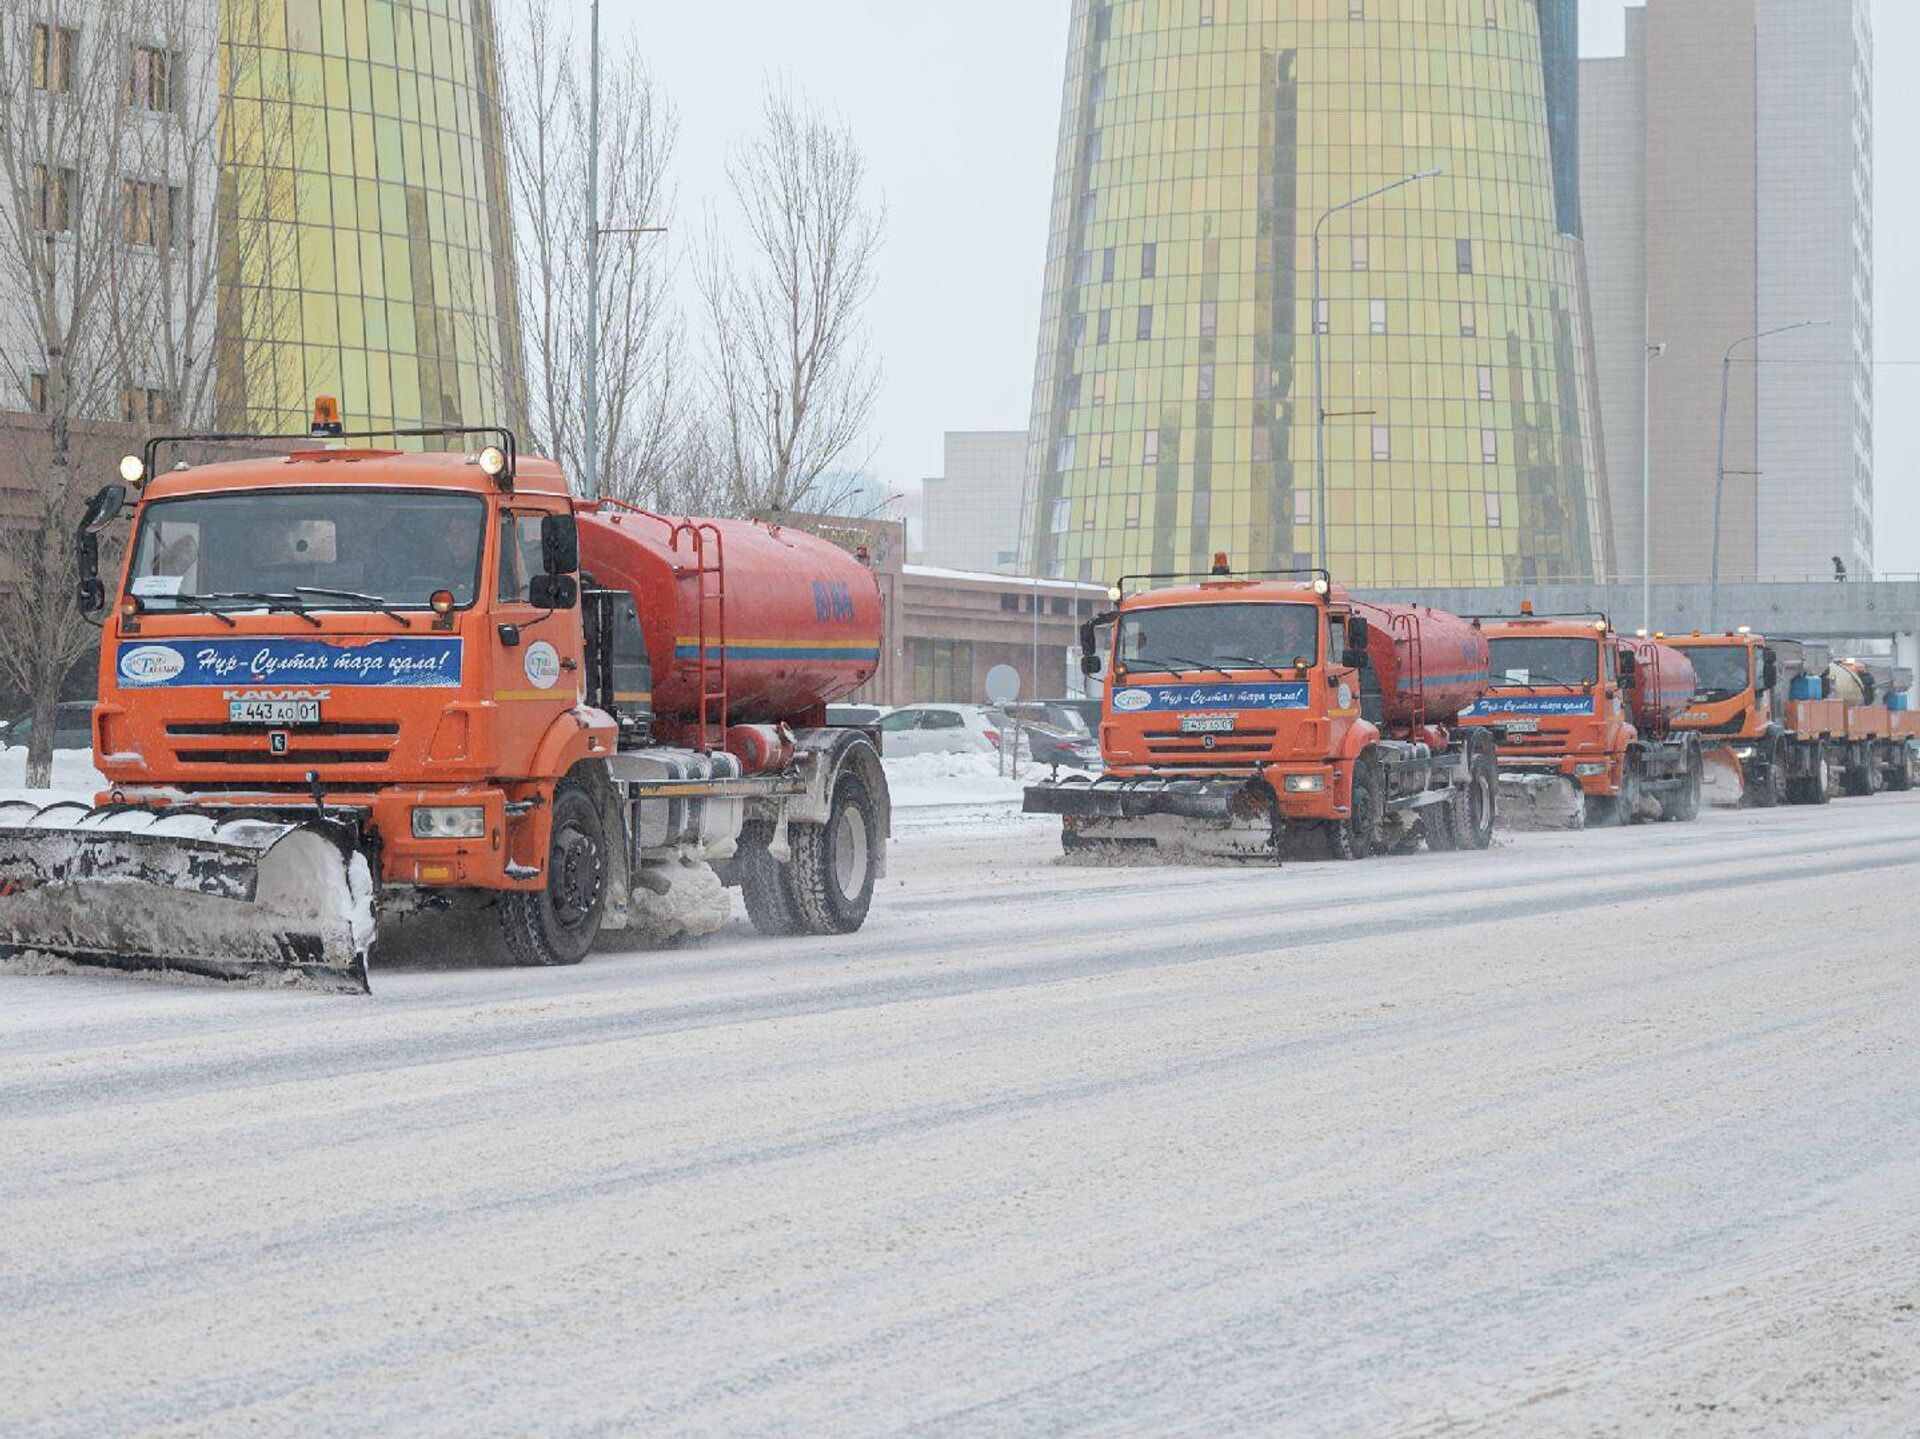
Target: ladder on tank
(1413,673)
(709,573)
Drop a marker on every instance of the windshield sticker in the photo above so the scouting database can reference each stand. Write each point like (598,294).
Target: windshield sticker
(207,664)
(149,587)
(1290,695)
(1529,705)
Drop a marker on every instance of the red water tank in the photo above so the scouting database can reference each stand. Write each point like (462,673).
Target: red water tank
(1431,664)
(1663,684)
(802,616)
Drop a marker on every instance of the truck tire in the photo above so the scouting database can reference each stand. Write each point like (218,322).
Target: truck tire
(1358,835)
(1817,786)
(766,886)
(557,924)
(1770,792)
(1474,809)
(1900,774)
(835,864)
(1684,807)
(1437,822)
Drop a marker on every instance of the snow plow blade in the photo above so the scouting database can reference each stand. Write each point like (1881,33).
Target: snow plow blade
(1541,801)
(1724,780)
(1201,818)
(240,899)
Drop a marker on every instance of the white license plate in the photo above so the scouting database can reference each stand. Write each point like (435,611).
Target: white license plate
(1206,724)
(1522,726)
(273,712)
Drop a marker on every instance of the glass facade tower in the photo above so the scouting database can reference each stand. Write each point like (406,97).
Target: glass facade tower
(1174,402)
(366,250)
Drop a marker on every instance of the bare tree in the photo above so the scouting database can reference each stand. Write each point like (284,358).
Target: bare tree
(793,384)
(643,386)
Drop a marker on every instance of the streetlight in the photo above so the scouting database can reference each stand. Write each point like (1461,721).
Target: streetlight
(1720,465)
(1653,353)
(1319,392)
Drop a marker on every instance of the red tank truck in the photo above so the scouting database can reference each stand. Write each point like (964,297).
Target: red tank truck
(1242,709)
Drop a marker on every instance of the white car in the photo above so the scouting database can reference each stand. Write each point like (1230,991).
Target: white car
(940,729)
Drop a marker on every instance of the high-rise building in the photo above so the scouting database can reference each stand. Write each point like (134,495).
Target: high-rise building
(367,224)
(1727,163)
(970,513)
(1203,144)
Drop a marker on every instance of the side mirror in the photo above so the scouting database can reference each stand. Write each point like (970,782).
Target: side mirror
(1629,667)
(1359,634)
(104,508)
(1769,670)
(89,593)
(1089,650)
(553,592)
(1089,663)
(559,544)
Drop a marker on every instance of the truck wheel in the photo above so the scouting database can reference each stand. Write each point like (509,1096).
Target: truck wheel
(1771,790)
(558,924)
(766,886)
(1900,774)
(835,864)
(1473,812)
(1685,808)
(1817,786)
(1438,823)
(1356,836)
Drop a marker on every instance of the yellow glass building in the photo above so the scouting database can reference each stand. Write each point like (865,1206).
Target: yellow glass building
(366,244)
(1174,401)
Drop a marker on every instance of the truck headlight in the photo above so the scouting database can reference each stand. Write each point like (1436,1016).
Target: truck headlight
(1590,768)
(449,822)
(1306,783)
(1745,752)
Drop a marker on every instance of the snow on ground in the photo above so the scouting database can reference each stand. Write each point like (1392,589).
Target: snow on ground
(917,780)
(74,776)
(1614,1133)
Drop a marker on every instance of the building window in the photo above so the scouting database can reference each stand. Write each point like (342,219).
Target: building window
(1360,253)
(1102,23)
(1209,319)
(1106,264)
(1076,332)
(1149,260)
(1377,317)
(37,392)
(1206,12)
(1463,256)
(1106,449)
(1493,14)
(150,82)
(1262,444)
(1090,148)
(1489,447)
(1062,516)
(1133,512)
(1086,515)
(1105,331)
(1382,443)
(1099,389)
(146,212)
(1097,90)
(1063,453)
(1356,10)
(1493,511)
(1303,507)
(140,404)
(1082,268)
(53,197)
(1205,388)
(942,671)
(1150,447)
(1486,382)
(1144,329)
(1010,604)
(1059,606)
(53,58)
(1323,317)
(1467,325)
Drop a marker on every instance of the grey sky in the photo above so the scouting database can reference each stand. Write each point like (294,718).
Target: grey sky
(958,110)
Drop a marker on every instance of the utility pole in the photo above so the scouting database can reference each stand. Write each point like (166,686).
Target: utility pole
(1653,353)
(593,257)
(1720,466)
(1319,389)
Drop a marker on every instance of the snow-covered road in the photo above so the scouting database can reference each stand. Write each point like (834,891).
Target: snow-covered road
(1614,1133)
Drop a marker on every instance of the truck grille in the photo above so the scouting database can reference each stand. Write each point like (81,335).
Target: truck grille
(1238,747)
(292,757)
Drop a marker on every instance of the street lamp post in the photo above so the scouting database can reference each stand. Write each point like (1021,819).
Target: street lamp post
(592,465)
(1653,353)
(1720,464)
(1319,391)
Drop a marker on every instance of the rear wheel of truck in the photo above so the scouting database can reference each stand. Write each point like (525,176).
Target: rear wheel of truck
(1684,807)
(835,864)
(557,925)
(1900,773)
(1769,790)
(1356,836)
(766,886)
(1817,786)
(1474,811)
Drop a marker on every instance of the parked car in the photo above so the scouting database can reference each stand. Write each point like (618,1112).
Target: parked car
(855,716)
(940,729)
(72,727)
(1056,732)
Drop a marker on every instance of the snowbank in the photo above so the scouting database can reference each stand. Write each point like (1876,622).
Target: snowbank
(919,780)
(74,776)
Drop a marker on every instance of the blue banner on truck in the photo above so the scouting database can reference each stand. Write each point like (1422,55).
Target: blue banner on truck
(399,663)
(1493,706)
(1141,699)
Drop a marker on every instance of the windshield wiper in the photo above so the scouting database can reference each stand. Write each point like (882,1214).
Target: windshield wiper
(198,603)
(1253,663)
(1171,664)
(1541,683)
(385,606)
(283,604)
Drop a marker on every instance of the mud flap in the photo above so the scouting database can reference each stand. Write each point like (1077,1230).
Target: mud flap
(1541,801)
(239,899)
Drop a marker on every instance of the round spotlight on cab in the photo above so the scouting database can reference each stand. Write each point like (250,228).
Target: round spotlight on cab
(133,469)
(1321,587)
(1113,593)
(442,602)
(493,462)
(1599,627)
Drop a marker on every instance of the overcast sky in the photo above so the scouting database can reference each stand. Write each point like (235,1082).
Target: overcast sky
(958,109)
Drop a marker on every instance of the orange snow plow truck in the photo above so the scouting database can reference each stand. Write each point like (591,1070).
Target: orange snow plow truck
(347,684)
(1585,720)
(1242,710)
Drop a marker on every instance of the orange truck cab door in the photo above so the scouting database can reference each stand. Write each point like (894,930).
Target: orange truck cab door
(536,651)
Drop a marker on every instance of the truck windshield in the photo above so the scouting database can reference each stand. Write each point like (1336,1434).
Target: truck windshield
(236,548)
(1719,671)
(1530,661)
(1224,637)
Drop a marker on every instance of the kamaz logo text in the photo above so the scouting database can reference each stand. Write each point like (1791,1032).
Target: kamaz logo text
(276,694)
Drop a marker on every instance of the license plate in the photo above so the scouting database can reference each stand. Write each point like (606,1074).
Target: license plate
(1522,726)
(273,712)
(1206,724)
